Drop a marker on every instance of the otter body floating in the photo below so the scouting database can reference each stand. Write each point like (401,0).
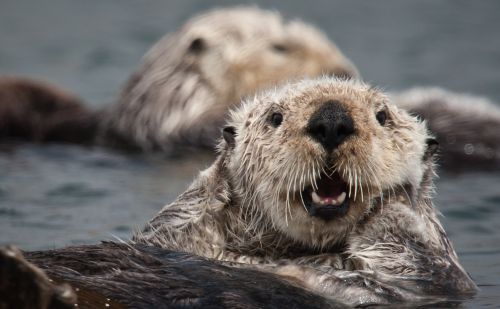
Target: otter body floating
(323,183)
(467,127)
(323,180)
(136,276)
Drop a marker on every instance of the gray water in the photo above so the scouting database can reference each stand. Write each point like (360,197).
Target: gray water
(53,196)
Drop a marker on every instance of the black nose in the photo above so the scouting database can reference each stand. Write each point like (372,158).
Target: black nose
(330,125)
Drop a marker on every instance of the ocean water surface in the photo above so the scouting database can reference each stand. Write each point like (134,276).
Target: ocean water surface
(52,196)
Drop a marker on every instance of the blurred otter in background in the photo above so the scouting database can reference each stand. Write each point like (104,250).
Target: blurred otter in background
(36,111)
(467,127)
(180,94)
(186,83)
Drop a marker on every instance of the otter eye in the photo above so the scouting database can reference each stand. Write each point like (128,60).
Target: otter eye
(381,117)
(276,119)
(197,46)
(280,48)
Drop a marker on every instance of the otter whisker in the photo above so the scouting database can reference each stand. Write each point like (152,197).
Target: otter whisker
(408,198)
(355,183)
(303,203)
(350,182)
(324,171)
(291,184)
(314,177)
(361,188)
(303,176)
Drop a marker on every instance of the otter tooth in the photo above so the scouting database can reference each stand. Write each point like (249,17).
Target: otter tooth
(341,198)
(315,197)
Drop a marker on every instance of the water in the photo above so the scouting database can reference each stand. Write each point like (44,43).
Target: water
(58,195)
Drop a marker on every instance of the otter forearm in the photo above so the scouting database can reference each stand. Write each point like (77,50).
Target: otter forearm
(414,252)
(187,227)
(351,287)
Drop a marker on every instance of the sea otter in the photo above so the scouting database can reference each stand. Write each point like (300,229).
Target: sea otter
(184,86)
(188,80)
(323,173)
(466,126)
(37,111)
(324,183)
(119,275)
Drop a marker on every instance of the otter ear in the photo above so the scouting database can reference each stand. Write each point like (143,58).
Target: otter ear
(229,133)
(197,46)
(432,147)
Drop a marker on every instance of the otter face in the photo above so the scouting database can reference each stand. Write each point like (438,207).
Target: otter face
(241,50)
(314,157)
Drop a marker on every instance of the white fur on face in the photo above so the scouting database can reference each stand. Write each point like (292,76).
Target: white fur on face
(272,166)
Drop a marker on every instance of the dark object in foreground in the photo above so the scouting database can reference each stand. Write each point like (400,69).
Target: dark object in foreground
(23,285)
(137,276)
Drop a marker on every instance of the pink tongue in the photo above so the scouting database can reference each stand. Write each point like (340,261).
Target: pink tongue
(330,187)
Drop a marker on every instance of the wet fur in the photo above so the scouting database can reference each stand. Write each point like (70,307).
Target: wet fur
(138,276)
(36,111)
(245,208)
(184,86)
(187,82)
(390,248)
(23,285)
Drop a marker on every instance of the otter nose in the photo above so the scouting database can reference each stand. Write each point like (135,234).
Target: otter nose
(330,125)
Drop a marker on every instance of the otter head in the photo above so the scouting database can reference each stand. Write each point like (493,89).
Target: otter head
(313,158)
(241,50)
(189,79)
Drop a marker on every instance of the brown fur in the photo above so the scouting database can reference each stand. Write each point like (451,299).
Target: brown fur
(183,88)
(23,285)
(36,111)
(127,276)
(466,126)
(248,211)
(186,83)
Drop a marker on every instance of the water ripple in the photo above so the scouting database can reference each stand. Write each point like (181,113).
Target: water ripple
(10,212)
(78,190)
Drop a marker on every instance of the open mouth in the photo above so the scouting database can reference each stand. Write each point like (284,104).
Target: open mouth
(329,200)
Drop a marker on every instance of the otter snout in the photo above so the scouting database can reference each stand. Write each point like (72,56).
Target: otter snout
(330,125)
